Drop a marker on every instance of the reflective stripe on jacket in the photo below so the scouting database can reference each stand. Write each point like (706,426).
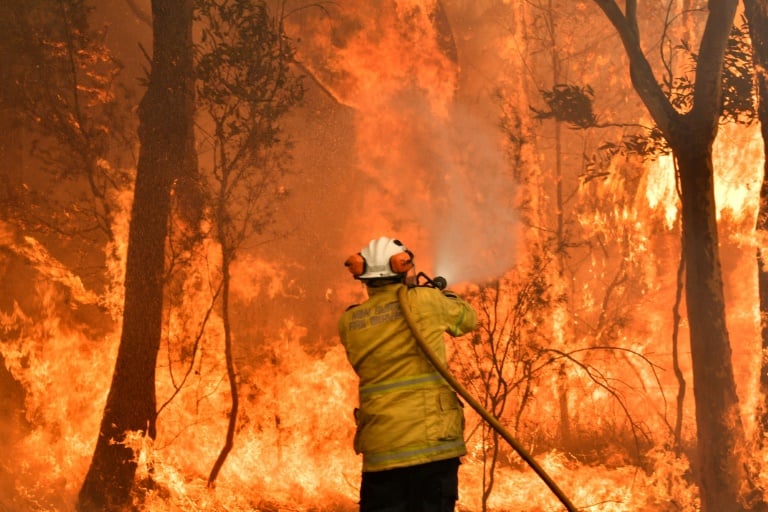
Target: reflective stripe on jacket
(408,414)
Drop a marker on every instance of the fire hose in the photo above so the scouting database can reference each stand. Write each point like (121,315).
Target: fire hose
(477,406)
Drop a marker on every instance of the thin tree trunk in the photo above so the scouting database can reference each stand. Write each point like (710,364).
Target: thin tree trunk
(560,235)
(678,429)
(231,372)
(167,152)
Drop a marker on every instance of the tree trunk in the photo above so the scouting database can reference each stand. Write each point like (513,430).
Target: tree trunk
(723,480)
(229,442)
(679,376)
(721,452)
(167,152)
(756,12)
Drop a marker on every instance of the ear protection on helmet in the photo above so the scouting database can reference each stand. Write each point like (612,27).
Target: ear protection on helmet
(389,258)
(401,262)
(355,264)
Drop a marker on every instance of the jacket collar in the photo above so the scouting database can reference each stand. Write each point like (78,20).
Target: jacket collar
(386,289)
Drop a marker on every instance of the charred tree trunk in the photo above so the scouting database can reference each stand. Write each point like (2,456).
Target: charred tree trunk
(229,442)
(723,480)
(167,152)
(757,16)
(721,442)
(681,385)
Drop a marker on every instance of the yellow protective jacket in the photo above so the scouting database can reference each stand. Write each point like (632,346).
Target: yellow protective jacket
(408,414)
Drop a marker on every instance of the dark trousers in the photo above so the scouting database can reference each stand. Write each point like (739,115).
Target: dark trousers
(431,487)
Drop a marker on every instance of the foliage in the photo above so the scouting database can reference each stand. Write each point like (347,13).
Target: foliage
(569,104)
(738,104)
(244,86)
(61,91)
(572,104)
(646,145)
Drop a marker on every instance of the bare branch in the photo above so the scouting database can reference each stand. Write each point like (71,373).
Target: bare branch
(640,69)
(709,67)
(142,15)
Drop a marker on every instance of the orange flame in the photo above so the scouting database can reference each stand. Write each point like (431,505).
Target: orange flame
(429,166)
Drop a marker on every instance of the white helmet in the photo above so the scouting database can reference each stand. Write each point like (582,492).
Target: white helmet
(381,258)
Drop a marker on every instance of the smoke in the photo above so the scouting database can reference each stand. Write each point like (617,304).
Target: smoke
(431,167)
(474,234)
(446,182)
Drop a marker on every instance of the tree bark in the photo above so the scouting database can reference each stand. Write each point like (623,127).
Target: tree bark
(721,442)
(167,152)
(227,254)
(723,481)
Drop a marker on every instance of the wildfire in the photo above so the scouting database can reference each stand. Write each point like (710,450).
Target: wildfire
(591,364)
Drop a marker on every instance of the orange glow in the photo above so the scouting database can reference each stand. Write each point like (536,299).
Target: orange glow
(417,154)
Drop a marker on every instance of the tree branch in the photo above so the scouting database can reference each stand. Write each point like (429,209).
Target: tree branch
(140,13)
(640,70)
(709,68)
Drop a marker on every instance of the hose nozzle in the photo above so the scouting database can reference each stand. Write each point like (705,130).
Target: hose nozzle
(438,282)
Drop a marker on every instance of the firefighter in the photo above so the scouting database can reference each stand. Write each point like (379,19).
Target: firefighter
(410,423)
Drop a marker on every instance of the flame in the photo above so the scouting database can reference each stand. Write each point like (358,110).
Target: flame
(430,167)
(43,352)
(737,177)
(428,149)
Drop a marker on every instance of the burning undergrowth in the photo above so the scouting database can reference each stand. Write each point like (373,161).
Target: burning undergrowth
(575,287)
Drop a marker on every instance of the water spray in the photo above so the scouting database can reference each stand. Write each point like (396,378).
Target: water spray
(440,283)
